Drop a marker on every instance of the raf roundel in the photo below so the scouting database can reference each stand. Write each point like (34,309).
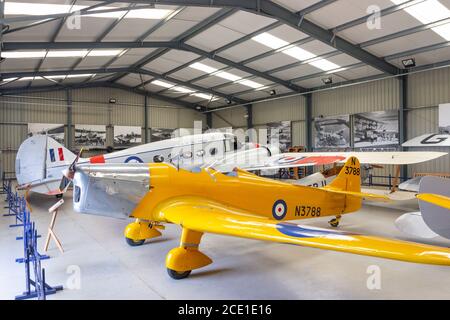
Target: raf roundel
(279,209)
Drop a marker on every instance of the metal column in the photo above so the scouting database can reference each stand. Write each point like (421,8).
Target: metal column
(403,88)
(69,118)
(146,133)
(249,108)
(308,119)
(209,120)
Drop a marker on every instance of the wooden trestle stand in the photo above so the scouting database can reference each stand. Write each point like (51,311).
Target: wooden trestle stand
(51,233)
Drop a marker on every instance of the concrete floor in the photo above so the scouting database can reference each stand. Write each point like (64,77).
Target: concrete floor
(242,269)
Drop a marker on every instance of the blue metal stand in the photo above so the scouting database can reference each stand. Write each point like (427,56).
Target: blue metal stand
(29,234)
(37,287)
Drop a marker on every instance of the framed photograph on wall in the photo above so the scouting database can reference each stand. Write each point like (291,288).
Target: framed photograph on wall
(158,134)
(376,129)
(53,130)
(332,132)
(89,135)
(127,136)
(279,133)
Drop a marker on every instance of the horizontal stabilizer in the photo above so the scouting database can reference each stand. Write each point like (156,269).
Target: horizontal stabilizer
(363,195)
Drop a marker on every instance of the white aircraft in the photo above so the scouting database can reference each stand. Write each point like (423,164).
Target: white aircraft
(429,140)
(41,160)
(433,219)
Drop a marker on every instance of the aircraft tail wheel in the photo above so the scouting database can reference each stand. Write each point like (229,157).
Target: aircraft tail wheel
(334,222)
(134,243)
(178,275)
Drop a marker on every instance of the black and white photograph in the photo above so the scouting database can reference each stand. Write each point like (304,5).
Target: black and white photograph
(127,136)
(158,134)
(53,130)
(375,129)
(88,135)
(444,118)
(280,133)
(332,132)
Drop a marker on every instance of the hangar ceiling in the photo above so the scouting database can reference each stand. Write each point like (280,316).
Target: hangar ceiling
(213,54)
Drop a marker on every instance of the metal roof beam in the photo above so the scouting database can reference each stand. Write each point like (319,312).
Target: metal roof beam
(188,34)
(44,74)
(273,10)
(185,104)
(247,37)
(9,46)
(193,86)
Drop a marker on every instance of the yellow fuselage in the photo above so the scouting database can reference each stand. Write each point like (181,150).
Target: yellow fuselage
(241,190)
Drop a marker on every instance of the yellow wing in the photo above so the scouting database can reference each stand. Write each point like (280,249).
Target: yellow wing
(202,215)
(435,199)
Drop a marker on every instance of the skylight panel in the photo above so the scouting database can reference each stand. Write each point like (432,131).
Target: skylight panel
(443,31)
(299,53)
(35,9)
(270,41)
(430,11)
(59,54)
(182,90)
(155,14)
(8,80)
(104,53)
(427,11)
(202,67)
(324,64)
(205,96)
(67,53)
(23,54)
(250,83)
(162,84)
(224,75)
(228,76)
(294,51)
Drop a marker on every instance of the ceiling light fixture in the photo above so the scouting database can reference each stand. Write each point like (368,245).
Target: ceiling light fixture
(409,63)
(327,80)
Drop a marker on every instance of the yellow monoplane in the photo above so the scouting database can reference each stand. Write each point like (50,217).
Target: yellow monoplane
(237,204)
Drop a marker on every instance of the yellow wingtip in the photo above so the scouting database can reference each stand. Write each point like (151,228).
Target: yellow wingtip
(439,200)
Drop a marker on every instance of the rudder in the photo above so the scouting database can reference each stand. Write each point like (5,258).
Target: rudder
(348,180)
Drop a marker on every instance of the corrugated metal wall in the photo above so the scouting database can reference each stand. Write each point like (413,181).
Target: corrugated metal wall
(366,97)
(234,117)
(89,106)
(425,92)
(293,109)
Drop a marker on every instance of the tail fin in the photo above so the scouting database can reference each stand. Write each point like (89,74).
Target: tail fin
(57,154)
(348,183)
(39,163)
(349,179)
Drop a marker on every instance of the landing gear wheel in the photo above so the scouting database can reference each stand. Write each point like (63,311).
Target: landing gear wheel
(334,223)
(134,243)
(178,275)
